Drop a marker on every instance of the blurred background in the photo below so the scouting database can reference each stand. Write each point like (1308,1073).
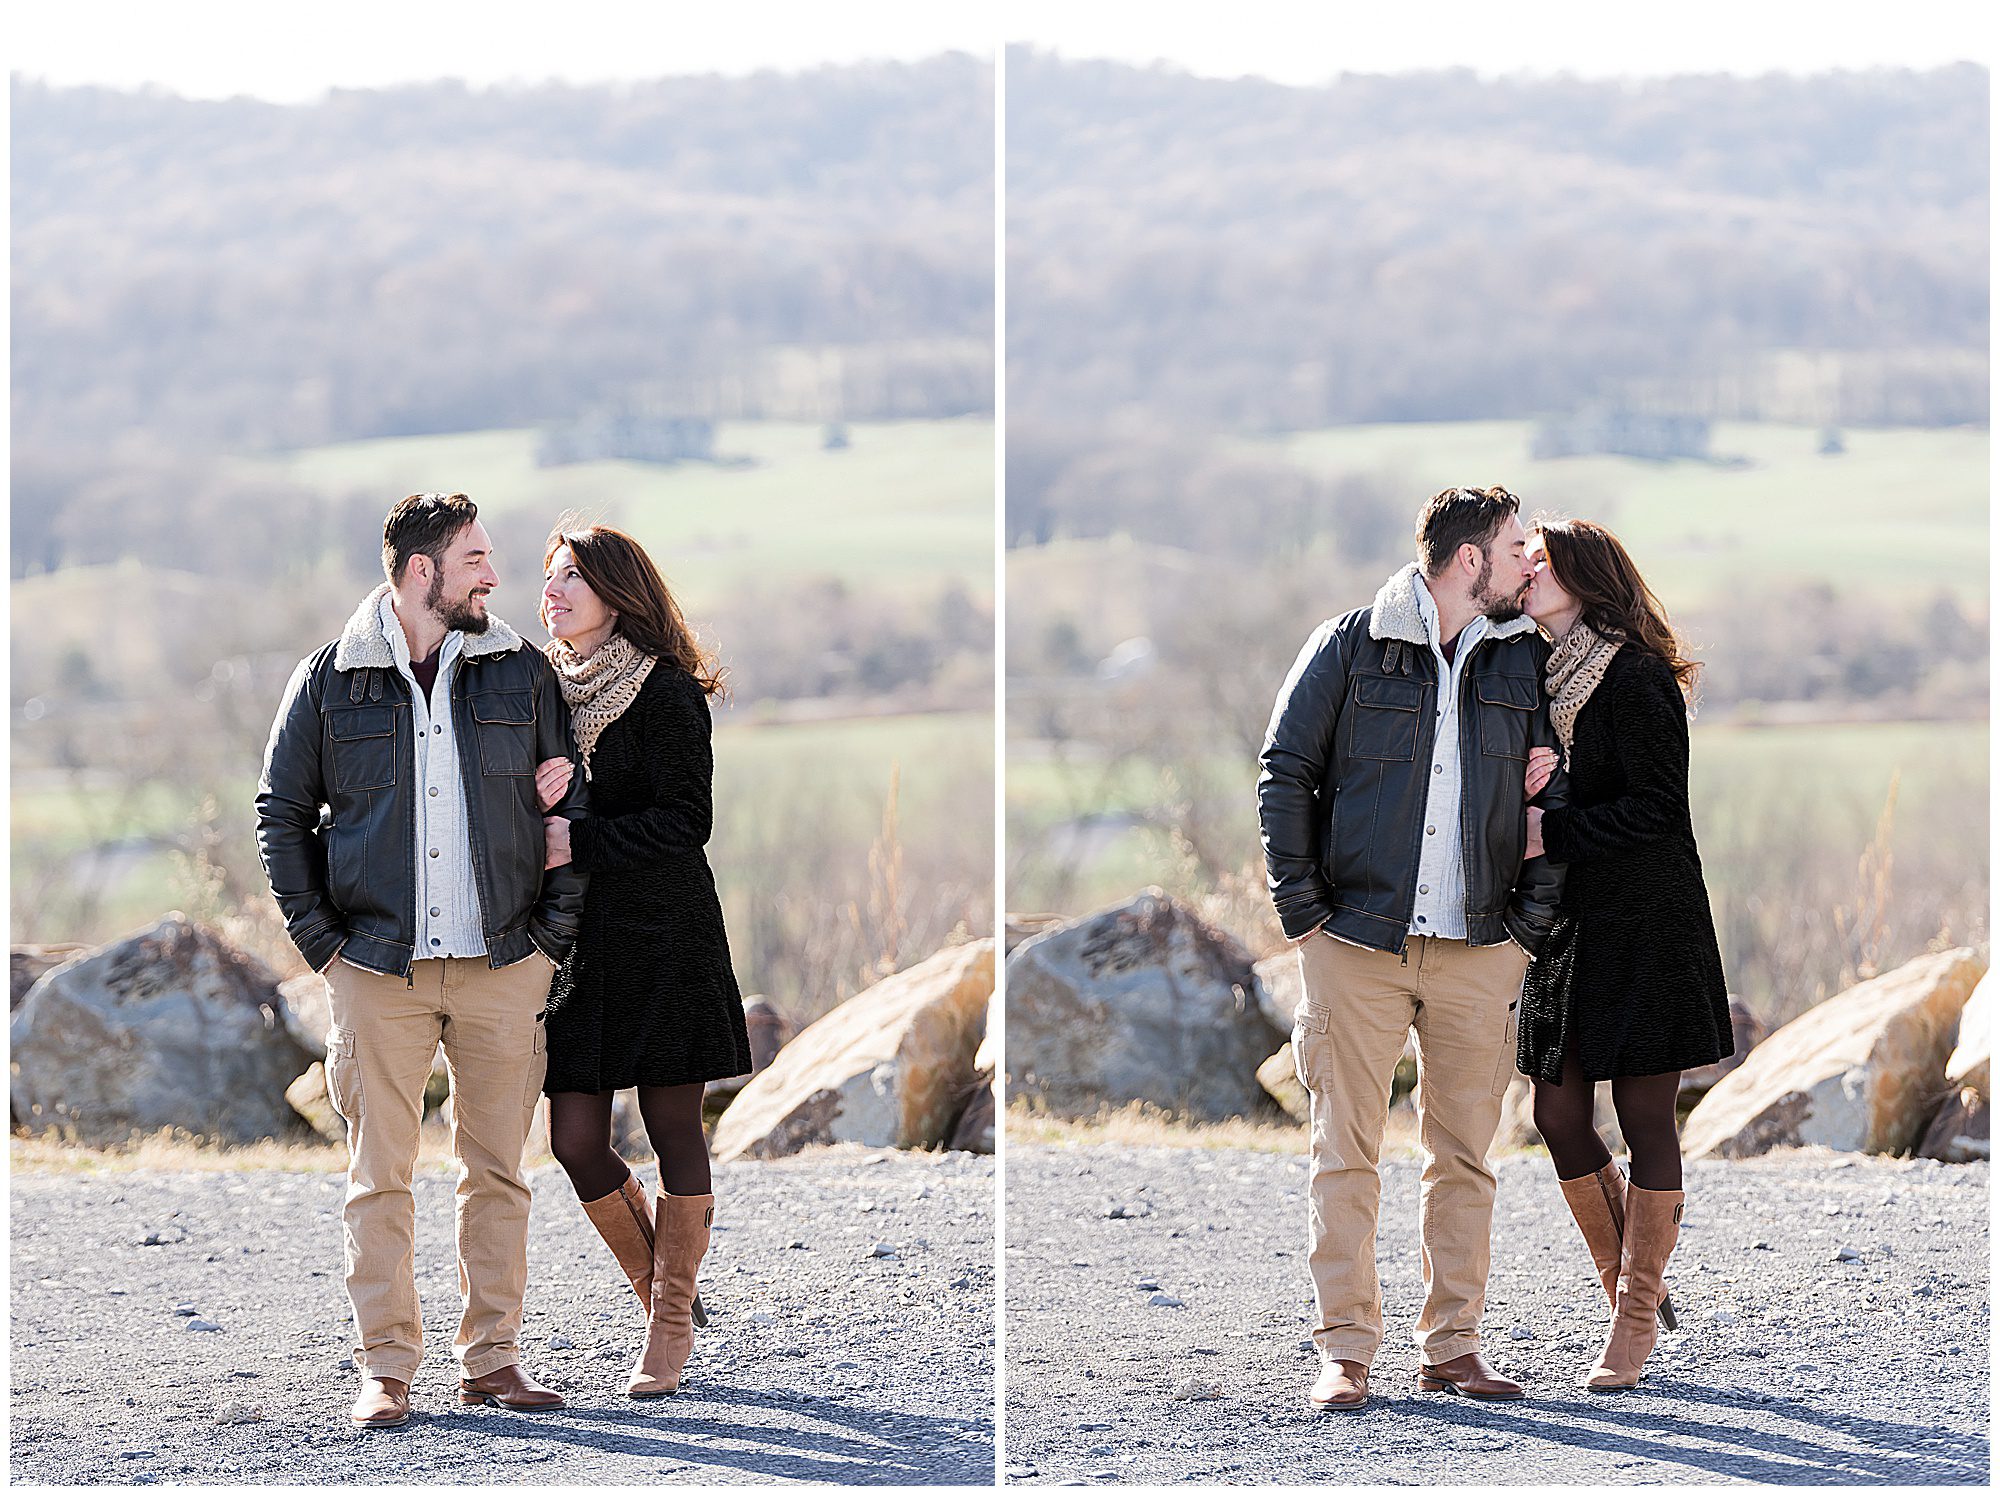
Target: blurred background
(1736,311)
(740,305)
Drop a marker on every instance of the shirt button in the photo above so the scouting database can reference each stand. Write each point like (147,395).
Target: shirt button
(438,728)
(436,941)
(1423,888)
(1437,768)
(434,851)
(434,790)
(434,913)
(1430,831)
(1421,920)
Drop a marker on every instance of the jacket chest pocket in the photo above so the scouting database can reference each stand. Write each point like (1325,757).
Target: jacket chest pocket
(1382,718)
(1506,708)
(364,746)
(504,723)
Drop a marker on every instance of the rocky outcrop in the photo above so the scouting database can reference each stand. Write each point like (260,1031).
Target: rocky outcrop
(28,964)
(1141,1002)
(171,1027)
(1962,1130)
(1970,1064)
(1279,1076)
(977,1126)
(1747,1031)
(769,1030)
(308,1097)
(891,1066)
(1860,1072)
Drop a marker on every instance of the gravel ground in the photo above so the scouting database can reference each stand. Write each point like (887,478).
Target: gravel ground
(822,1361)
(1790,1367)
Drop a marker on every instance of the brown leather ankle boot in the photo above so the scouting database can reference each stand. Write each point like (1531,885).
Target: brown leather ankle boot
(625,1221)
(1652,1226)
(680,1239)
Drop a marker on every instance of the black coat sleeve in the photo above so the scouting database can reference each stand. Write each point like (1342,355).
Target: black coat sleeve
(1531,913)
(1298,746)
(553,924)
(679,758)
(1649,734)
(290,794)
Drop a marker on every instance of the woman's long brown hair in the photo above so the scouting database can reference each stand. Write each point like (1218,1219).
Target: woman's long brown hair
(1592,567)
(623,575)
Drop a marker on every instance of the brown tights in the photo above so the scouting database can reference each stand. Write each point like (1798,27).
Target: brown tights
(580,1138)
(1645,1107)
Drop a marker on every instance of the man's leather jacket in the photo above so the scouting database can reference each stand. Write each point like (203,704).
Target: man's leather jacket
(336,807)
(1346,768)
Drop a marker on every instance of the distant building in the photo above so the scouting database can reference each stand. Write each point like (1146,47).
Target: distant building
(627,436)
(1618,432)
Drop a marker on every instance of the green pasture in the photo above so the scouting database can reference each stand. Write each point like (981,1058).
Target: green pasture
(1903,512)
(907,505)
(1820,789)
(831,778)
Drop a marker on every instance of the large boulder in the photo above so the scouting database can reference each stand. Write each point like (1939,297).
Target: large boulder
(890,1067)
(1862,1072)
(1962,1131)
(768,1031)
(1141,1002)
(1279,1076)
(171,1027)
(28,964)
(1747,1031)
(1970,1064)
(977,1128)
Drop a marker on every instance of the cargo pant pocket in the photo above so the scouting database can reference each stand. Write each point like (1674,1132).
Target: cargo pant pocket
(1505,1071)
(343,1074)
(1309,1039)
(538,1069)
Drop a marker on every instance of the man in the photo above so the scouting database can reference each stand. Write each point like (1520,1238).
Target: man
(399,827)
(1393,804)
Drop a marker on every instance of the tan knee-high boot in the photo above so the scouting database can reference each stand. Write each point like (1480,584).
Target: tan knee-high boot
(680,1239)
(1590,1200)
(1612,1180)
(1652,1226)
(625,1220)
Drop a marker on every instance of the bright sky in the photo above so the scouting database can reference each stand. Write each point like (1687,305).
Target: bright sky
(295,49)
(1311,41)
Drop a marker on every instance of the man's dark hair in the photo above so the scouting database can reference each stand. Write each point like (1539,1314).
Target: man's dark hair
(424,524)
(1460,516)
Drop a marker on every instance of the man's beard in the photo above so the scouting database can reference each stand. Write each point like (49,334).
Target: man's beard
(1498,607)
(461,615)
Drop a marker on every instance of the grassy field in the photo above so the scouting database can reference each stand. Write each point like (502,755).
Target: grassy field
(1904,511)
(831,778)
(1780,813)
(907,505)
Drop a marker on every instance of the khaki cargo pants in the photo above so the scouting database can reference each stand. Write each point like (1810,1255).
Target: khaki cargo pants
(385,1035)
(1358,1009)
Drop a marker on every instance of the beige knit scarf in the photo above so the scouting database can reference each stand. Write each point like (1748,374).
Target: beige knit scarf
(600,688)
(1576,668)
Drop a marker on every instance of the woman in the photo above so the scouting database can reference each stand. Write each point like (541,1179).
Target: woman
(647,997)
(1628,987)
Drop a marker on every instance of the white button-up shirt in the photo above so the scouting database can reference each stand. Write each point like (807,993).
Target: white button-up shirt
(1440,907)
(447,898)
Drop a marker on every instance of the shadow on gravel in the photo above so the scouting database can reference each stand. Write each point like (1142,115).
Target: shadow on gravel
(883,1448)
(1618,1426)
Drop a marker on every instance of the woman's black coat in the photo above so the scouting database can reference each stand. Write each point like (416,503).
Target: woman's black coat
(1631,969)
(647,996)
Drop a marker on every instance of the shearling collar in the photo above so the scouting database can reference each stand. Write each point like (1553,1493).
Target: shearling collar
(362,644)
(1396,614)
